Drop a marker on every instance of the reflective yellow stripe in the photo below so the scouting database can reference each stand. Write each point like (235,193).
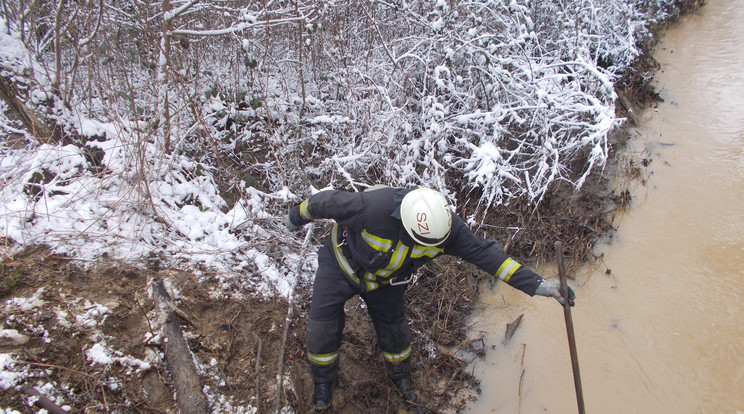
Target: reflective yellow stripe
(345,265)
(303,210)
(397,357)
(396,261)
(377,243)
(371,286)
(507,269)
(377,187)
(370,280)
(421,251)
(323,359)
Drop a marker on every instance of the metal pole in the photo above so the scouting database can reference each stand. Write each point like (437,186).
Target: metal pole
(569,327)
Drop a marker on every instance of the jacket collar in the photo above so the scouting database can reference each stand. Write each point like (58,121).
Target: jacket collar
(397,199)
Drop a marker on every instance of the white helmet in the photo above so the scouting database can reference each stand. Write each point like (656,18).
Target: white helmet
(426,216)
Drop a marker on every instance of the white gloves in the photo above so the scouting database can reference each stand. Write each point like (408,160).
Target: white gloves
(291,226)
(552,288)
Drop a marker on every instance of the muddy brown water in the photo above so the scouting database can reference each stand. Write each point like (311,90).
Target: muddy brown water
(664,332)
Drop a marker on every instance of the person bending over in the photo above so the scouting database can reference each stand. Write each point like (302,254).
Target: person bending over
(379,238)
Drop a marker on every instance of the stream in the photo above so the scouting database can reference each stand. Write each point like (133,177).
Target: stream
(663,331)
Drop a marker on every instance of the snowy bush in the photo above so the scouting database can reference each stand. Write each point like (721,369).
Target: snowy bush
(169,106)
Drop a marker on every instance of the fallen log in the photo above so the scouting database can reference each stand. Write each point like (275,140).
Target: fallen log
(188,389)
(635,118)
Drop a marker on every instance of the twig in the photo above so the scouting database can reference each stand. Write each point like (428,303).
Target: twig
(521,377)
(103,397)
(38,364)
(288,321)
(149,325)
(232,334)
(181,314)
(43,402)
(258,373)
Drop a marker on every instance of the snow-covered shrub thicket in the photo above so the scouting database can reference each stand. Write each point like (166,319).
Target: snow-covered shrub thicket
(499,97)
(162,100)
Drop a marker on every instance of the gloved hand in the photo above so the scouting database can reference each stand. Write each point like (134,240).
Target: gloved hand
(552,288)
(291,226)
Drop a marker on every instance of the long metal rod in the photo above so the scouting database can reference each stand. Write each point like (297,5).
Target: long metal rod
(569,327)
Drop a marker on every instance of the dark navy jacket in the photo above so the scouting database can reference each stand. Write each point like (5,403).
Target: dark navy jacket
(373,248)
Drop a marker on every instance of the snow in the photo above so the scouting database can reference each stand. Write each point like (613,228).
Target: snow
(100,354)
(11,335)
(86,216)
(94,315)
(25,304)
(8,376)
(12,52)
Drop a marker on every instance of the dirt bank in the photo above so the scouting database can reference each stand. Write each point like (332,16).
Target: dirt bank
(65,313)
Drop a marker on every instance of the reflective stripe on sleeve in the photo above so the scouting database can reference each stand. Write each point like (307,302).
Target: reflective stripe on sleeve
(390,357)
(507,269)
(377,243)
(303,210)
(371,281)
(323,359)
(377,187)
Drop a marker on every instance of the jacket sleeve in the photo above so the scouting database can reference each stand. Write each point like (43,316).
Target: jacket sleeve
(341,206)
(489,256)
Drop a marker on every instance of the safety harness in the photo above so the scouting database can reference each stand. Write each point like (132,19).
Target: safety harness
(395,258)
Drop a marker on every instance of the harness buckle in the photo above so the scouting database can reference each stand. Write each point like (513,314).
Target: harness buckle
(412,277)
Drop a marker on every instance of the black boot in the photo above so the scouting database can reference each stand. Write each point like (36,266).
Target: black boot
(407,390)
(322,395)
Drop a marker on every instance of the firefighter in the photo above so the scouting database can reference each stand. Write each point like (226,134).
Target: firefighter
(380,236)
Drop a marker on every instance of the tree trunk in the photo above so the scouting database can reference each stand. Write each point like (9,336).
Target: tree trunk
(10,94)
(164,68)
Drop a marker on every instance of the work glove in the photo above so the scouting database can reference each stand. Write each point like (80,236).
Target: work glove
(291,226)
(552,288)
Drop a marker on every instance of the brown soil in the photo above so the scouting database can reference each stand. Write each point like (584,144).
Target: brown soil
(225,335)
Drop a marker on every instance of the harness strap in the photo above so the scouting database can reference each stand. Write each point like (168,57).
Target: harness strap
(369,281)
(343,262)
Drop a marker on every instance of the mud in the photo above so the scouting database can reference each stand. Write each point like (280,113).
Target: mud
(225,336)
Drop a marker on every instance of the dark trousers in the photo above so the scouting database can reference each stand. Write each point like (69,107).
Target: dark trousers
(386,306)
